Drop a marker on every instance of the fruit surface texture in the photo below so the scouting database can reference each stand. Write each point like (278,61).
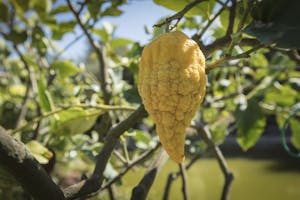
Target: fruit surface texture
(172,85)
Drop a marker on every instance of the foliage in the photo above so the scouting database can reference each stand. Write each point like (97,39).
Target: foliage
(56,106)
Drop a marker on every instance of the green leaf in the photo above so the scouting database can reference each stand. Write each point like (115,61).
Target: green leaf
(65,68)
(250,124)
(37,40)
(59,29)
(119,42)
(41,6)
(219,127)
(295,127)
(4,12)
(39,151)
(258,59)
(111,11)
(131,95)
(203,9)
(94,7)
(264,84)
(17,36)
(281,95)
(74,121)
(142,139)
(21,6)
(60,9)
(44,97)
(102,34)
(276,22)
(210,114)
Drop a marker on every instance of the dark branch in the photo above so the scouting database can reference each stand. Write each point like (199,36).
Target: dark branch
(206,136)
(173,176)
(94,183)
(225,41)
(140,191)
(178,16)
(15,158)
(183,175)
(111,193)
(231,18)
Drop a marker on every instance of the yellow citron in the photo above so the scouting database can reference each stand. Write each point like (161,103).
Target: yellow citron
(172,85)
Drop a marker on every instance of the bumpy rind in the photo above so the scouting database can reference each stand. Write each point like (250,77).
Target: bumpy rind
(172,85)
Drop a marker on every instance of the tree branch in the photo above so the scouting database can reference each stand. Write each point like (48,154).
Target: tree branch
(224,41)
(26,98)
(99,53)
(206,136)
(140,191)
(93,184)
(138,160)
(231,18)
(210,21)
(183,175)
(173,176)
(226,58)
(26,170)
(178,16)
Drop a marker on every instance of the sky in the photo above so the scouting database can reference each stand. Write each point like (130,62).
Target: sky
(131,24)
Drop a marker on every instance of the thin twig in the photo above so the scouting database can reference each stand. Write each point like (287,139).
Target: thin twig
(70,44)
(226,58)
(26,98)
(120,157)
(224,41)
(231,18)
(138,160)
(206,136)
(174,175)
(178,16)
(238,33)
(183,175)
(99,53)
(210,21)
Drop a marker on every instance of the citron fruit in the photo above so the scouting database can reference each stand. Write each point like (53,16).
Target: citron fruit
(172,85)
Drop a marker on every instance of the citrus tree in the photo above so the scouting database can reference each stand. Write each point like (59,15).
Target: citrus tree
(58,116)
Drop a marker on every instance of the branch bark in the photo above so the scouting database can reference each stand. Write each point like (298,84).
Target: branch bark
(183,175)
(174,175)
(224,41)
(140,191)
(15,158)
(231,18)
(206,136)
(179,15)
(93,184)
